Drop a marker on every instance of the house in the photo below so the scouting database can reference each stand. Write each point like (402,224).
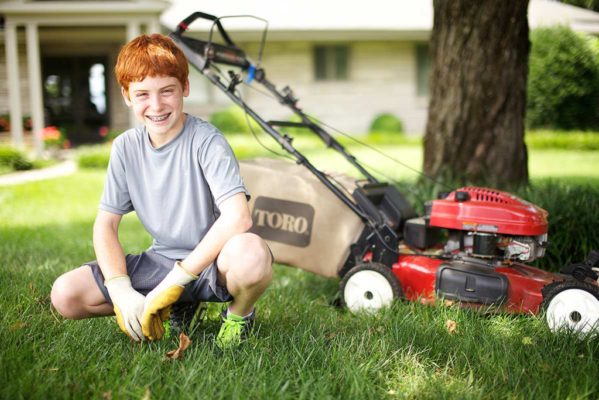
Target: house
(346,62)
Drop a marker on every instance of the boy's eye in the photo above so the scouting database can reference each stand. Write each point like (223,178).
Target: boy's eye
(167,90)
(140,94)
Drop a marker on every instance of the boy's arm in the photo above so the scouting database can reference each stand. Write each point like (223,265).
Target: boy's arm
(128,303)
(234,219)
(109,251)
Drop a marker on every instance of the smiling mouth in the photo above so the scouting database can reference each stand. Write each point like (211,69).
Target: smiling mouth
(158,119)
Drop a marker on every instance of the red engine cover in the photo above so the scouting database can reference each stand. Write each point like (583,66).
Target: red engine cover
(489,210)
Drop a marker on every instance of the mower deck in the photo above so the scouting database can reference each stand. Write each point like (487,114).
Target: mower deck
(418,277)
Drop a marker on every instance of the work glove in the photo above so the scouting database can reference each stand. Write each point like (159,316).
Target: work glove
(158,301)
(128,305)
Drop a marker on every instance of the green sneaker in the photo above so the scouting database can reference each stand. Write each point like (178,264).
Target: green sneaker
(234,329)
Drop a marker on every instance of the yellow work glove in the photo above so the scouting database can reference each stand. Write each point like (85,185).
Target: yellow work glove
(158,302)
(128,305)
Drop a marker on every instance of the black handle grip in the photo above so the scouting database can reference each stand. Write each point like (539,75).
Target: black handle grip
(184,25)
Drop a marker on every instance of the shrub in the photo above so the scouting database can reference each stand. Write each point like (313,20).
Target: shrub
(233,120)
(563,81)
(14,159)
(55,137)
(96,157)
(572,140)
(5,123)
(386,123)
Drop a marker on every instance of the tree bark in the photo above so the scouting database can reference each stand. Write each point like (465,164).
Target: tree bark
(479,57)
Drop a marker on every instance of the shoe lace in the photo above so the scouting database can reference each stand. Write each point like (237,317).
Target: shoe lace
(231,328)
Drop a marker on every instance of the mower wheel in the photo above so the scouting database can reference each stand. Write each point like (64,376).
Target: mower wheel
(369,287)
(572,305)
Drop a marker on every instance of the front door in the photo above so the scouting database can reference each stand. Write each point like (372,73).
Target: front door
(75,96)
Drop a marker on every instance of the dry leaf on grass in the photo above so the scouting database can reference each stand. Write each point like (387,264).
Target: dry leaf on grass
(147,395)
(451,326)
(107,395)
(581,356)
(544,367)
(33,289)
(184,343)
(526,340)
(40,299)
(448,303)
(19,325)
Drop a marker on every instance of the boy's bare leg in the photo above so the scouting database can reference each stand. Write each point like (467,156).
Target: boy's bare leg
(76,295)
(244,267)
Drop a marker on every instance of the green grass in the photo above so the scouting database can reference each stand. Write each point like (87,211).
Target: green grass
(565,140)
(306,348)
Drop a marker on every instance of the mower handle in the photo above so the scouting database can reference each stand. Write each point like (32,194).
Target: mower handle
(184,25)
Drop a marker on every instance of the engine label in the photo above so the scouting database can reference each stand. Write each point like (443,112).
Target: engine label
(488,228)
(470,226)
(283,221)
(473,226)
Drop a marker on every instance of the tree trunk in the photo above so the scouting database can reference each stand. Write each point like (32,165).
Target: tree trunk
(479,57)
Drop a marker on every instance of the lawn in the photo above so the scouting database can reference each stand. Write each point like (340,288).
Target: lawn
(305,347)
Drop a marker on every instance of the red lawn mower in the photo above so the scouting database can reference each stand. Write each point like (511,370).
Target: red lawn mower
(470,246)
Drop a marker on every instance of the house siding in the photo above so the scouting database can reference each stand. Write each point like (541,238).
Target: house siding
(382,79)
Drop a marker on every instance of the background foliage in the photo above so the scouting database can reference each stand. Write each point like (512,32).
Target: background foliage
(563,80)
(386,123)
(13,159)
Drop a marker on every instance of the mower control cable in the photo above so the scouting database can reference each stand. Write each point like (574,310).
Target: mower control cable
(204,63)
(314,119)
(373,225)
(289,100)
(381,153)
(299,158)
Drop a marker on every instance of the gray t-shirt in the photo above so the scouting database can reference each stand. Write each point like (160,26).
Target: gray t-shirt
(175,189)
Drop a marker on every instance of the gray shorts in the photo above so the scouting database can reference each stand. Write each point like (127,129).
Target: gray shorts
(148,269)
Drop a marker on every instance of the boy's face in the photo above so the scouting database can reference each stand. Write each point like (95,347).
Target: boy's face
(158,103)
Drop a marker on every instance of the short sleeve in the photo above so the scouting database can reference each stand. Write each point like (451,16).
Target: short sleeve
(221,169)
(115,198)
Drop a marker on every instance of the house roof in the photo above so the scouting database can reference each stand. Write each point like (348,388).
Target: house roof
(378,19)
(81,7)
(544,13)
(81,13)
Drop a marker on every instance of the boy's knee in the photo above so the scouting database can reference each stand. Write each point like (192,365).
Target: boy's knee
(64,297)
(251,259)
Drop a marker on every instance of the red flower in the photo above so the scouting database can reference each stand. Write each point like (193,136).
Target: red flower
(103,131)
(50,132)
(66,144)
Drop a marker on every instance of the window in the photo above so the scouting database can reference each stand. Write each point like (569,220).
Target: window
(423,68)
(331,63)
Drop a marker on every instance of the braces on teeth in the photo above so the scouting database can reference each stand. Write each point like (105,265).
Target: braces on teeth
(159,118)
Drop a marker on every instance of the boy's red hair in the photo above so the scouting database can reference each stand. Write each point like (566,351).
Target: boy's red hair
(155,55)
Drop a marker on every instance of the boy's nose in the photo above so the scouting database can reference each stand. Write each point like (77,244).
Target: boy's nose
(155,102)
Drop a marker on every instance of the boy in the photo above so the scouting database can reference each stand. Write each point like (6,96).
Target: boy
(180,176)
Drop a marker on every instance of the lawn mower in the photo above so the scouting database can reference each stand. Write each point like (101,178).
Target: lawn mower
(470,246)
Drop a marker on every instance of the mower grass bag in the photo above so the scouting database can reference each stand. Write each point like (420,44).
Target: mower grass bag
(305,224)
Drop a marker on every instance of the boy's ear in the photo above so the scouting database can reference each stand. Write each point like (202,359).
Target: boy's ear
(126,97)
(186,88)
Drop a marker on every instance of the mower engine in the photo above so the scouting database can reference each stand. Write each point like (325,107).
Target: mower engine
(482,223)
